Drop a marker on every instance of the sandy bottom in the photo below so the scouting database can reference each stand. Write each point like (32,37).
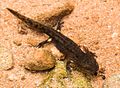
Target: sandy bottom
(93,23)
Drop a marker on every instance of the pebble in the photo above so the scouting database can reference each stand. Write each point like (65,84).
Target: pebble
(6,59)
(12,77)
(17,42)
(41,60)
(37,82)
(112,82)
(32,41)
(17,74)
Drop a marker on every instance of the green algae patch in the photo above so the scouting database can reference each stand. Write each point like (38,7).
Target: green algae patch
(56,77)
(80,81)
(59,78)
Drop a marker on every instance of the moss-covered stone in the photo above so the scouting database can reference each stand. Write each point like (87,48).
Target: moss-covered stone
(56,77)
(59,78)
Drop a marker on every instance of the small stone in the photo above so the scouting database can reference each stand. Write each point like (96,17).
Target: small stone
(32,42)
(12,77)
(21,75)
(23,78)
(37,83)
(6,59)
(17,42)
(112,82)
(42,60)
(114,35)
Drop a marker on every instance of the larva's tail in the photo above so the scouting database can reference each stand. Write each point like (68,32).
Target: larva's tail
(30,22)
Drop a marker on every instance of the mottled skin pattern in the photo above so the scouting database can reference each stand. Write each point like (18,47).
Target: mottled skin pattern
(64,44)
